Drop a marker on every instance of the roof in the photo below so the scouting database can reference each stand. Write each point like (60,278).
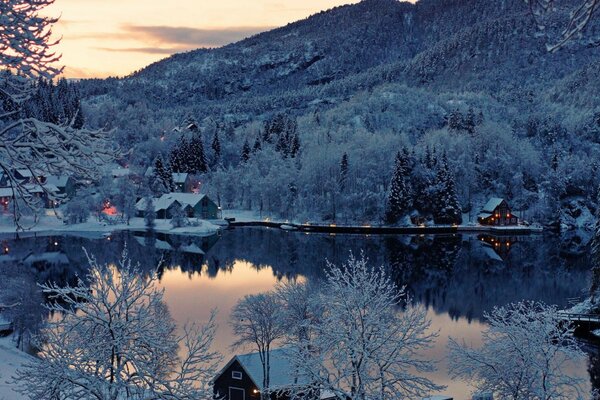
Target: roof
(282,371)
(6,192)
(149,171)
(191,248)
(120,172)
(180,177)
(158,244)
(53,257)
(166,200)
(492,204)
(58,181)
(25,173)
(38,189)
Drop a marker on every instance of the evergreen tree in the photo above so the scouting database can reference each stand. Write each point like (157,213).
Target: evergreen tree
(295,146)
(398,202)
(282,146)
(216,147)
(163,178)
(178,157)
(446,208)
(257,145)
(245,156)
(343,172)
(196,158)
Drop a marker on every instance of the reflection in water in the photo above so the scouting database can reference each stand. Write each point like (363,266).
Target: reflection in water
(457,277)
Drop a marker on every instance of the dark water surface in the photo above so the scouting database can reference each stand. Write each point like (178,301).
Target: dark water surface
(457,277)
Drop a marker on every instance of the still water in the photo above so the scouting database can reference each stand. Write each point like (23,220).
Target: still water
(457,277)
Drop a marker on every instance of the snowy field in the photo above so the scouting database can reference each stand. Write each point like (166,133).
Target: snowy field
(12,359)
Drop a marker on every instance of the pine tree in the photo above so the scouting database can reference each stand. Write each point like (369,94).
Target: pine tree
(446,208)
(343,172)
(178,157)
(398,202)
(216,148)
(196,157)
(163,178)
(295,146)
(257,145)
(245,156)
(282,146)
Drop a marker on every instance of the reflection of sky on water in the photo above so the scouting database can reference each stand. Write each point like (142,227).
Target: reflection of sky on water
(191,298)
(455,277)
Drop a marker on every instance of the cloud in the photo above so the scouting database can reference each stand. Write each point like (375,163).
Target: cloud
(187,36)
(147,50)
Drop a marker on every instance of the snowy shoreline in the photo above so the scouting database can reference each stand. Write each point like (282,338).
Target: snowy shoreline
(51,225)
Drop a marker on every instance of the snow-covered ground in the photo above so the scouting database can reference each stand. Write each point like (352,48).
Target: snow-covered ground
(52,224)
(10,360)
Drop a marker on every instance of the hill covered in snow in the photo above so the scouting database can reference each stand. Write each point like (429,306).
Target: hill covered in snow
(370,78)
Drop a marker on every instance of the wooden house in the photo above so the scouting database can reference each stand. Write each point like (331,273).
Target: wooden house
(64,184)
(497,212)
(242,377)
(183,182)
(194,206)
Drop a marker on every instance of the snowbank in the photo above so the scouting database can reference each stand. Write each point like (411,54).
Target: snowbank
(93,228)
(11,359)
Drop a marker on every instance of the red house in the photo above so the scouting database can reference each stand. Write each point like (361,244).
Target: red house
(497,212)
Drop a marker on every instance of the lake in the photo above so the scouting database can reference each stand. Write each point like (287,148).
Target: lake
(457,277)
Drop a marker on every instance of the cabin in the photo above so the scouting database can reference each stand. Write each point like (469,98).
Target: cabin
(242,377)
(183,182)
(64,184)
(6,195)
(194,206)
(497,212)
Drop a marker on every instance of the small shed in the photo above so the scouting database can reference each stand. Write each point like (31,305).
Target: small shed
(497,212)
(242,377)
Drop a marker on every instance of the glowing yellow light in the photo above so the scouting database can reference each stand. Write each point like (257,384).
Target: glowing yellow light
(332,225)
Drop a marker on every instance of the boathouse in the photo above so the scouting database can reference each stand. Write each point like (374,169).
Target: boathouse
(242,377)
(497,212)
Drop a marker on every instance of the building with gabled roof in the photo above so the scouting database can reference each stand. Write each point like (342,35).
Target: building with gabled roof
(194,205)
(497,212)
(242,377)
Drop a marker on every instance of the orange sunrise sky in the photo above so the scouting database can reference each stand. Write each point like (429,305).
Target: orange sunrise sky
(116,37)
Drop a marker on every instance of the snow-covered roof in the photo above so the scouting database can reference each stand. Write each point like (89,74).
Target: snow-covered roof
(6,192)
(492,204)
(166,200)
(491,253)
(192,248)
(120,172)
(53,257)
(149,171)
(25,173)
(158,244)
(282,374)
(58,181)
(180,177)
(38,189)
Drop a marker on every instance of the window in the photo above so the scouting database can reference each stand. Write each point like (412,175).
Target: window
(236,374)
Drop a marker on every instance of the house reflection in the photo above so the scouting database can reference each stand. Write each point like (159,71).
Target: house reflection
(497,247)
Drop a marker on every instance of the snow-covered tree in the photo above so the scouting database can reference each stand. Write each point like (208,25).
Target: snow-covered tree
(580,16)
(343,172)
(178,216)
(526,352)
(216,148)
(595,262)
(245,155)
(446,208)
(256,321)
(77,210)
(398,201)
(113,338)
(197,158)
(149,213)
(26,142)
(367,341)
(162,179)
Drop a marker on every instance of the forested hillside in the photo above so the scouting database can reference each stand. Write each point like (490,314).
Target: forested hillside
(306,121)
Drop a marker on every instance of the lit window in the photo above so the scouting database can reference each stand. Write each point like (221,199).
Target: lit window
(236,374)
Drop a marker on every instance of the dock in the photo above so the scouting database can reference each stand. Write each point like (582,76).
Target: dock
(390,230)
